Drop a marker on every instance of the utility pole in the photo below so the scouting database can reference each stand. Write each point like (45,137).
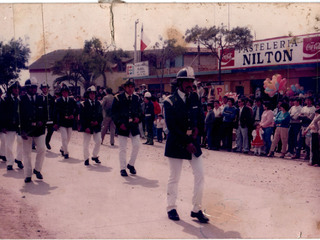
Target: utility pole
(135,41)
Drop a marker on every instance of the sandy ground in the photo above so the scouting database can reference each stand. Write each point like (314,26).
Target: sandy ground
(245,197)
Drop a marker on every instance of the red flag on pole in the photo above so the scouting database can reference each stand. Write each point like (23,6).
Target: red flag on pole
(145,41)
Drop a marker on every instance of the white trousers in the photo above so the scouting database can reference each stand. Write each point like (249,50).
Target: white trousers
(86,141)
(27,148)
(9,139)
(135,141)
(3,144)
(65,138)
(175,173)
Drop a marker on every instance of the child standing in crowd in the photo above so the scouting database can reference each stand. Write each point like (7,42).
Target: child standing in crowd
(282,121)
(160,123)
(257,142)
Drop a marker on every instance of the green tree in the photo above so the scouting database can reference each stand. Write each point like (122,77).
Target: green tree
(165,51)
(13,58)
(85,65)
(68,68)
(219,39)
(101,59)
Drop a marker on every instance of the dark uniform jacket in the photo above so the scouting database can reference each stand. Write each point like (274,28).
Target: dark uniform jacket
(11,118)
(49,107)
(246,120)
(32,113)
(91,112)
(124,111)
(181,118)
(149,112)
(63,111)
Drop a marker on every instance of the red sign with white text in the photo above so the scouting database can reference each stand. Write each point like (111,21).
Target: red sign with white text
(311,48)
(227,58)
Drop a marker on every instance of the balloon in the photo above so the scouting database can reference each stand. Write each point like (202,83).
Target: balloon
(276,85)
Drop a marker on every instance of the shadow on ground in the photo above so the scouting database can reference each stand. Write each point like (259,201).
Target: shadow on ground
(99,168)
(71,160)
(37,187)
(207,231)
(144,182)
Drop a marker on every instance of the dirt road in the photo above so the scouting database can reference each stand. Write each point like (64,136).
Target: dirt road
(244,196)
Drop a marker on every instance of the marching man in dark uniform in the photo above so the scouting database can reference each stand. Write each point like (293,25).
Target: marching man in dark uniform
(49,107)
(11,108)
(149,117)
(126,114)
(185,120)
(2,135)
(91,119)
(33,120)
(65,112)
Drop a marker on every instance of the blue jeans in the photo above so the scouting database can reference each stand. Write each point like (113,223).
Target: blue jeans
(209,136)
(267,132)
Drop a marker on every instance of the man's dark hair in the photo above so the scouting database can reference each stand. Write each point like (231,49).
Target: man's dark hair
(109,90)
(231,99)
(285,106)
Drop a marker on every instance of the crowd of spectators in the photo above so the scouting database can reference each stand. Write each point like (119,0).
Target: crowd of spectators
(283,126)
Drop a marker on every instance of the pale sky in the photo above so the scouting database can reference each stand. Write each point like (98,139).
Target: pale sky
(65,26)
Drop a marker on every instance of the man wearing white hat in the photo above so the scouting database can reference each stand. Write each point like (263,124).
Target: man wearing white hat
(33,120)
(65,112)
(49,103)
(149,117)
(127,114)
(185,120)
(91,119)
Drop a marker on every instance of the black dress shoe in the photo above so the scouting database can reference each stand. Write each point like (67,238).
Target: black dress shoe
(20,165)
(9,167)
(173,215)
(86,162)
(124,173)
(132,169)
(200,216)
(27,179)
(3,158)
(38,174)
(66,156)
(96,159)
(62,152)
